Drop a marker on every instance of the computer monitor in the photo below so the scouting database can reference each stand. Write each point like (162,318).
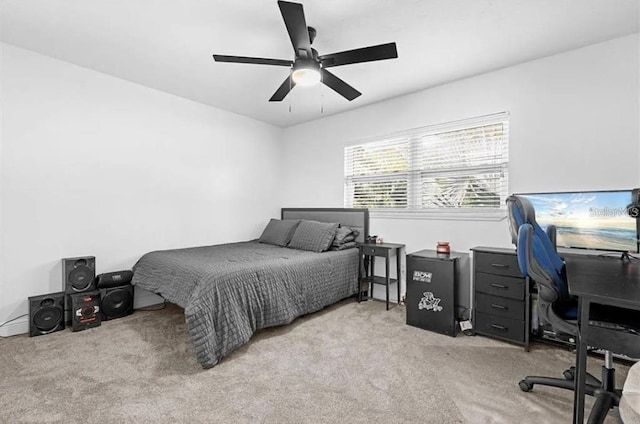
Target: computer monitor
(594,220)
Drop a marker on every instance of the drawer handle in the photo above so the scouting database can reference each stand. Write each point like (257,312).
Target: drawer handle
(500,265)
(498,286)
(499,327)
(496,306)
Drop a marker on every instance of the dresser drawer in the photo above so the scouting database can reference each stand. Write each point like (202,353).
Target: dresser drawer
(500,306)
(503,327)
(375,250)
(497,263)
(500,285)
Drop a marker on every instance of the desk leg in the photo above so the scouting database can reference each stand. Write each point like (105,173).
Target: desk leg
(398,266)
(386,263)
(581,362)
(361,272)
(373,272)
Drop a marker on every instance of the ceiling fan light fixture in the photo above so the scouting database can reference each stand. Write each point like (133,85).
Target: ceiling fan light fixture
(306,73)
(308,67)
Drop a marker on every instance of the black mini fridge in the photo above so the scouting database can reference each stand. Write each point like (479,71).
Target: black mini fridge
(431,290)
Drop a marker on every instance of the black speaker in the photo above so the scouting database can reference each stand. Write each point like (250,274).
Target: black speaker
(85,310)
(114,279)
(79,274)
(46,313)
(116,302)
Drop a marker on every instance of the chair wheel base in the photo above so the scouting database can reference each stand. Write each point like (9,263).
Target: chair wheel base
(525,386)
(569,375)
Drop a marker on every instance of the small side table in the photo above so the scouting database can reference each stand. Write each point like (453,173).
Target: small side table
(385,250)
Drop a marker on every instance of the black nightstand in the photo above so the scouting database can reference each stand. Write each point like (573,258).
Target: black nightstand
(368,254)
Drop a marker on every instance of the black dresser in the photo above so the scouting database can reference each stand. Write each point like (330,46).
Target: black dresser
(501,296)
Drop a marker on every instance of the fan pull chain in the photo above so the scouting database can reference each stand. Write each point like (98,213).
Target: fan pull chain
(289,96)
(321,94)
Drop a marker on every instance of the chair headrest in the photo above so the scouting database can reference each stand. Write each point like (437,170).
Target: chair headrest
(521,211)
(526,207)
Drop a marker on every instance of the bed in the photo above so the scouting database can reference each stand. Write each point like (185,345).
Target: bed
(230,291)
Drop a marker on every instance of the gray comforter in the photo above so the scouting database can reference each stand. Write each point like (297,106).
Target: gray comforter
(229,291)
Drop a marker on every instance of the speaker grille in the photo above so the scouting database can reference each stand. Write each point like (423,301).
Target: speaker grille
(47,318)
(46,314)
(81,278)
(116,302)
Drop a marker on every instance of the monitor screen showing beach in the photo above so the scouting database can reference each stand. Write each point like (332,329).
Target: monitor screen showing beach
(590,220)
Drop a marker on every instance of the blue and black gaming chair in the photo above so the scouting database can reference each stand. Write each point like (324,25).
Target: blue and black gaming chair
(538,260)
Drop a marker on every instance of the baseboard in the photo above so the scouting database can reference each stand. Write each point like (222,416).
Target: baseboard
(13,328)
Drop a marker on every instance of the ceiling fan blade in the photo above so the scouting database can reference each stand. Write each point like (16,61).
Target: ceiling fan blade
(339,86)
(283,90)
(364,54)
(293,16)
(254,60)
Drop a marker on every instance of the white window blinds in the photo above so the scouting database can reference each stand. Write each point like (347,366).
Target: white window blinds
(455,167)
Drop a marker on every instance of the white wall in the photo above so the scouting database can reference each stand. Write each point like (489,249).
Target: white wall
(574,126)
(94,165)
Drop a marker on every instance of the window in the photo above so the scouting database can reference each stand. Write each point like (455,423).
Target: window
(448,170)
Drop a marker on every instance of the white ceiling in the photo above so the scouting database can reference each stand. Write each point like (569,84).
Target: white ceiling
(167,45)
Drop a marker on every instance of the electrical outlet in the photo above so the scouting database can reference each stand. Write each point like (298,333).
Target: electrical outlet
(465,325)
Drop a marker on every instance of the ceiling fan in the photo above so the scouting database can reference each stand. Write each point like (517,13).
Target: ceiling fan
(308,67)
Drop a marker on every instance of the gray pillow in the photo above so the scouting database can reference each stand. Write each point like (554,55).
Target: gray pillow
(279,232)
(344,246)
(314,236)
(344,235)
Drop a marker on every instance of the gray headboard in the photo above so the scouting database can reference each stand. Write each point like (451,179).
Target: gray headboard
(351,217)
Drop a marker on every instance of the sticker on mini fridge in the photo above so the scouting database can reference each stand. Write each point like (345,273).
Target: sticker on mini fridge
(422,276)
(429,302)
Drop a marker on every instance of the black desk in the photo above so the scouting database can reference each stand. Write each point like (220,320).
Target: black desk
(605,281)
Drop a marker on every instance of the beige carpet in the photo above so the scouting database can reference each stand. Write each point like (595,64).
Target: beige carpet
(348,363)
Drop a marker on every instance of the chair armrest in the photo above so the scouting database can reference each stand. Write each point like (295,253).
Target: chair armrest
(551,232)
